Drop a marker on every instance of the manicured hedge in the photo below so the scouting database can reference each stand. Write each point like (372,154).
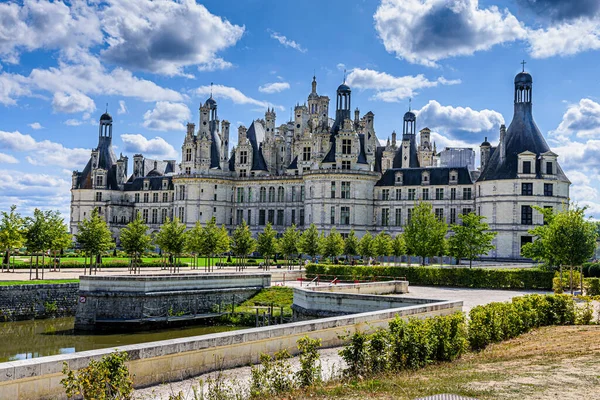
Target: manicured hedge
(592,286)
(591,270)
(488,278)
(113,264)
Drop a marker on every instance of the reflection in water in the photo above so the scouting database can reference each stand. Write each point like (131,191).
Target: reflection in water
(31,339)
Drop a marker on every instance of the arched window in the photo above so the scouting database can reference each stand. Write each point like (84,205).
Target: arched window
(271,194)
(280,194)
(263,194)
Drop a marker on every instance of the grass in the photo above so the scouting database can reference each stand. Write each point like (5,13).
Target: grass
(24,260)
(552,362)
(38,282)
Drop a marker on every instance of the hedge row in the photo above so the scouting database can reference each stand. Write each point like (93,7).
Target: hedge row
(592,286)
(112,264)
(436,276)
(591,270)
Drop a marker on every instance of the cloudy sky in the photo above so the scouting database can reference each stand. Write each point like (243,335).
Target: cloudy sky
(61,63)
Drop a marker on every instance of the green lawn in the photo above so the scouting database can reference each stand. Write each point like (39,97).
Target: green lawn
(23,260)
(38,282)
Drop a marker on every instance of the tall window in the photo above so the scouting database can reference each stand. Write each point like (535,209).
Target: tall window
(345,215)
(165,197)
(181,192)
(333,189)
(409,215)
(301,193)
(526,215)
(155,197)
(239,216)
(293,217)
(332,216)
(345,190)
(249,194)
(425,194)
(346,146)
(261,217)
(146,197)
(244,157)
(526,167)
(527,189)
(249,217)
(279,217)
(136,198)
(188,154)
(385,217)
(163,215)
(306,154)
(385,194)
(345,164)
(549,169)
(271,217)
(466,193)
(301,222)
(271,194)
(398,221)
(453,215)
(263,195)
(439,194)
(398,194)
(466,211)
(240,195)
(548,189)
(145,215)
(453,194)
(99,181)
(293,193)
(188,170)
(98,196)
(155,216)
(280,194)
(181,213)
(439,214)
(243,173)
(411,194)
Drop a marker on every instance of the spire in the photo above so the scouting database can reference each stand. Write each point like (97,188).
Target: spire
(410,104)
(523,63)
(344,75)
(314,85)
(211,88)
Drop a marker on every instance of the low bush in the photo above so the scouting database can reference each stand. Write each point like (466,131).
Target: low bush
(272,376)
(435,276)
(559,287)
(310,361)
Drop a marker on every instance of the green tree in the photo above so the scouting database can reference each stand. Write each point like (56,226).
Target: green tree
(382,245)
(538,250)
(572,238)
(365,247)
(210,239)
(332,245)
(398,246)
(223,241)
(37,238)
(60,238)
(94,237)
(309,242)
(471,239)
(351,245)
(242,242)
(194,242)
(288,243)
(171,239)
(266,244)
(12,237)
(425,233)
(135,241)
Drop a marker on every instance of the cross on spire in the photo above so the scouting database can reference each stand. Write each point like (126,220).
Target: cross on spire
(107,108)
(409,103)
(211,85)
(344,75)
(523,64)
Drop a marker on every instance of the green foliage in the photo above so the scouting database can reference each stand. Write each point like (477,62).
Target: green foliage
(273,376)
(584,314)
(134,239)
(378,351)
(310,364)
(242,242)
(398,245)
(382,245)
(58,231)
(592,286)
(93,235)
(50,307)
(471,239)
(12,232)
(309,241)
(107,379)
(365,246)
(288,244)
(171,238)
(332,245)
(210,237)
(266,243)
(539,249)
(425,233)
(351,244)
(591,269)
(559,284)
(194,239)
(504,278)
(355,354)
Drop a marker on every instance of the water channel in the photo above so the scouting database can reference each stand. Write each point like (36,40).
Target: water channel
(38,338)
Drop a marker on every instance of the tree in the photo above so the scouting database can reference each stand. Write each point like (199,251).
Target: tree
(424,234)
(398,246)
(266,244)
(60,238)
(194,241)
(572,238)
(538,250)
(223,242)
(135,241)
(210,240)
(94,237)
(471,239)
(365,247)
(288,243)
(242,242)
(309,241)
(171,240)
(382,245)
(351,245)
(11,233)
(332,245)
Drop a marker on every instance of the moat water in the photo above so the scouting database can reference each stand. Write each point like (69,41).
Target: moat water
(38,338)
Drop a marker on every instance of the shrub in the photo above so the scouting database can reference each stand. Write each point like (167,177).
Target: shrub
(585,314)
(594,270)
(449,337)
(355,354)
(556,282)
(378,350)
(310,364)
(107,379)
(273,376)
(592,286)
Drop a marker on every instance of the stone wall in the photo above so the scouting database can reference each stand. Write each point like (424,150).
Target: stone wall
(21,302)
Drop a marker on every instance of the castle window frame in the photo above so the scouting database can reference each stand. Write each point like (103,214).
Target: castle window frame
(346,146)
(399,178)
(398,194)
(332,215)
(165,197)
(548,189)
(271,194)
(385,194)
(243,173)
(306,152)
(98,196)
(280,194)
(188,155)
(453,194)
(146,197)
(412,194)
(346,164)
(249,194)
(527,167)
(527,189)
(453,216)
(549,168)
(163,215)
(398,221)
(155,216)
(99,180)
(136,198)
(467,193)
(279,220)
(333,189)
(243,157)
(262,217)
(385,217)
(263,195)
(145,215)
(344,215)
(345,193)
(271,217)
(425,194)
(155,197)
(439,193)
(425,178)
(526,215)
(439,214)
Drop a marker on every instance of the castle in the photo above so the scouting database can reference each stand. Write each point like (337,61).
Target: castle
(330,172)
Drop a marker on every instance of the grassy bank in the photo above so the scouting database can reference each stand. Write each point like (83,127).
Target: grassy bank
(38,282)
(274,297)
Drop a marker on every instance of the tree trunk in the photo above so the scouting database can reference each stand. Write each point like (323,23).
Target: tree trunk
(581,278)
(470,263)
(571,278)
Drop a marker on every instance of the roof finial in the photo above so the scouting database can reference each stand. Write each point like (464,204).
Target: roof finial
(314,74)
(107,108)
(409,103)
(344,75)
(523,64)
(211,85)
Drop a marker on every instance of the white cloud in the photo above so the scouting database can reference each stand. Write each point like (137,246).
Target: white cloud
(11,87)
(72,103)
(122,107)
(8,159)
(167,116)
(157,147)
(36,126)
(392,88)
(565,39)
(581,119)
(274,87)
(233,94)
(73,122)
(458,119)
(426,31)
(166,36)
(286,42)
(44,152)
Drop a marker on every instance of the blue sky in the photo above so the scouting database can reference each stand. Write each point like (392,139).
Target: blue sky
(153,62)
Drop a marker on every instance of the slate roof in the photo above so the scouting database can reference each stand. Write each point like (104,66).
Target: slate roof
(106,160)
(362,156)
(232,160)
(256,135)
(294,164)
(414,157)
(437,176)
(330,157)
(155,183)
(378,155)
(215,147)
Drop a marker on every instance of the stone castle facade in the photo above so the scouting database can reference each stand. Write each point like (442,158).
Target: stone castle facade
(330,172)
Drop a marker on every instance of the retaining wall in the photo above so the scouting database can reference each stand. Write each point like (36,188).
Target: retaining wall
(21,302)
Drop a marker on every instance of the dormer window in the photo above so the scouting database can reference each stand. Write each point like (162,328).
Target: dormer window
(527,163)
(425,178)
(526,167)
(399,178)
(99,181)
(146,185)
(453,176)
(549,168)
